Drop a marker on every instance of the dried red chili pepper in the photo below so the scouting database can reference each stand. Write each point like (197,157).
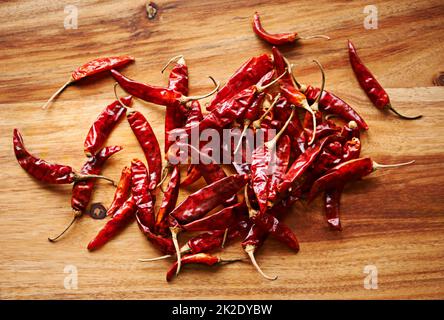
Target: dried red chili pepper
(279,168)
(370,85)
(45,171)
(164,244)
(219,220)
(82,190)
(203,201)
(199,258)
(351,150)
(332,200)
(168,202)
(261,169)
(141,193)
(247,75)
(347,172)
(278,39)
(154,94)
(331,104)
(350,131)
(104,124)
(123,216)
(91,68)
(122,192)
(192,176)
(150,146)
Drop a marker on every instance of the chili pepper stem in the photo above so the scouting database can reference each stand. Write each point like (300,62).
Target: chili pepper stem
(224,239)
(389,107)
(174,232)
(58,92)
(310,110)
(165,172)
(116,96)
(180,59)
(395,165)
(76,215)
(185,249)
(244,131)
(82,177)
(316,36)
(249,249)
(263,88)
(257,123)
(185,99)
(275,139)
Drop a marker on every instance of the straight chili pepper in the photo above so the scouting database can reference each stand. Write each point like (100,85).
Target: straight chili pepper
(199,258)
(43,170)
(123,216)
(370,85)
(104,124)
(150,146)
(168,202)
(247,75)
(154,94)
(278,39)
(91,68)
(332,104)
(347,172)
(141,193)
(122,192)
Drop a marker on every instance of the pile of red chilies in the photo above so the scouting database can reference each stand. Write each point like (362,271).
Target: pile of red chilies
(309,155)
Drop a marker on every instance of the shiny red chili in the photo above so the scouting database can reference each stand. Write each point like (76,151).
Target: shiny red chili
(141,193)
(122,192)
(168,202)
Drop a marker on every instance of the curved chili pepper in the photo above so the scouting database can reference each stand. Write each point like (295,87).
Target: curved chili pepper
(150,146)
(347,172)
(91,68)
(219,220)
(376,93)
(199,258)
(43,170)
(331,104)
(247,75)
(82,190)
(278,39)
(123,216)
(209,197)
(122,192)
(302,163)
(332,200)
(168,202)
(103,125)
(141,193)
(175,114)
(154,94)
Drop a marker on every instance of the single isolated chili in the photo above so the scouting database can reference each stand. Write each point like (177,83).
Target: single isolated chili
(370,85)
(278,39)
(91,68)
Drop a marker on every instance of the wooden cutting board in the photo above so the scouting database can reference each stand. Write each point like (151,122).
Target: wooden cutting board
(393,220)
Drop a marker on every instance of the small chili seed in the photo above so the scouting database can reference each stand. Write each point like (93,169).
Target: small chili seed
(151,10)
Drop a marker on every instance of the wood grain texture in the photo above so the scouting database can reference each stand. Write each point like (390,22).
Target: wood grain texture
(392,219)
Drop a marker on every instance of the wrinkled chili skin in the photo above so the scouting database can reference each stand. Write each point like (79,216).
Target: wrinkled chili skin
(164,244)
(351,150)
(103,125)
(99,65)
(219,220)
(270,224)
(176,113)
(192,176)
(120,220)
(349,132)
(338,176)
(302,163)
(247,75)
(332,205)
(141,193)
(154,94)
(150,146)
(168,202)
(82,190)
(367,80)
(255,237)
(280,166)
(329,103)
(199,258)
(122,192)
(39,168)
(274,39)
(204,200)
(213,172)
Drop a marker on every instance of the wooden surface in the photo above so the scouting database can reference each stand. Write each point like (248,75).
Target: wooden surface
(392,219)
